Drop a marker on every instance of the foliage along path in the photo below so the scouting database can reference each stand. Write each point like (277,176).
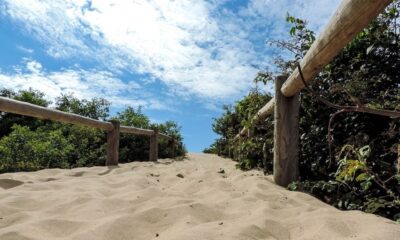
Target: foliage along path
(200,197)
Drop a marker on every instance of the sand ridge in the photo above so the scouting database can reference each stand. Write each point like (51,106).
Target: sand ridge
(147,200)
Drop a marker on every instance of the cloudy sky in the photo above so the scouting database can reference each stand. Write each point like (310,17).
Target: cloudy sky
(180,60)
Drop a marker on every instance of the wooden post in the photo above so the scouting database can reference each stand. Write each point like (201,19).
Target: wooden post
(153,153)
(398,158)
(174,147)
(286,136)
(113,144)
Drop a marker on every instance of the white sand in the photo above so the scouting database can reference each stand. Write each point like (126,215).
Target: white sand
(148,201)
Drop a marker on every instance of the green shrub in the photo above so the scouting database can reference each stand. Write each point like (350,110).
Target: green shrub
(27,150)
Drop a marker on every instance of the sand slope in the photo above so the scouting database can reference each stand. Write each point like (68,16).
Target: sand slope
(149,201)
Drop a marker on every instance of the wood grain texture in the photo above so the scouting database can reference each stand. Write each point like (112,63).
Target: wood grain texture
(153,153)
(163,135)
(27,109)
(398,158)
(31,110)
(262,114)
(113,144)
(349,19)
(286,136)
(136,131)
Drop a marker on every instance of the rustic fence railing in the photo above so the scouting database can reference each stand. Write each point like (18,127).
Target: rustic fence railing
(350,18)
(112,128)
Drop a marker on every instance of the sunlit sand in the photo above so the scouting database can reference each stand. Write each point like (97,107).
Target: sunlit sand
(188,199)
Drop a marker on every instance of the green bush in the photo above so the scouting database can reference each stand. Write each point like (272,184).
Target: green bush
(27,150)
(255,150)
(134,148)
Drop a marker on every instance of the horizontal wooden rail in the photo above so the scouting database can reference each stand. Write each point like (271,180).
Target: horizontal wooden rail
(349,19)
(141,131)
(31,110)
(113,128)
(164,136)
(262,114)
(136,131)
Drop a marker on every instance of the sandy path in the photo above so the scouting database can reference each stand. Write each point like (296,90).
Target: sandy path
(148,201)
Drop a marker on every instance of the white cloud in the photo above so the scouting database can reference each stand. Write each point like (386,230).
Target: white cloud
(315,12)
(84,84)
(195,47)
(25,50)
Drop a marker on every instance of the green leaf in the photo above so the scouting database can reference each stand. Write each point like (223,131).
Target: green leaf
(364,152)
(366,185)
(362,177)
(370,48)
(397,176)
(292,31)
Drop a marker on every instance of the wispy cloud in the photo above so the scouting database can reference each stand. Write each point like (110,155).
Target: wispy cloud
(82,83)
(25,50)
(196,48)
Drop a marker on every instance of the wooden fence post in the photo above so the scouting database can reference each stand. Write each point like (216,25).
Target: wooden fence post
(113,144)
(286,136)
(153,153)
(398,158)
(173,144)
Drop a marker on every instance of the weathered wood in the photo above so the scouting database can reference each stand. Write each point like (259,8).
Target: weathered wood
(27,109)
(286,136)
(398,158)
(136,131)
(349,19)
(265,111)
(113,144)
(163,135)
(141,131)
(153,153)
(262,114)
(31,110)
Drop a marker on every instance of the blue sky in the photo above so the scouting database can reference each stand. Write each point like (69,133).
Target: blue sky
(180,60)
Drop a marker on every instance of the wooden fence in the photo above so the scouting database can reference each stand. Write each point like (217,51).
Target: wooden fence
(349,19)
(112,128)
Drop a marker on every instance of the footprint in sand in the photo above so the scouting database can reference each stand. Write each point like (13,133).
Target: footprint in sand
(9,183)
(76,174)
(271,230)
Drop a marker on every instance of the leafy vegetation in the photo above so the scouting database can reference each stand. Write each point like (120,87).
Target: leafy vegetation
(28,144)
(136,147)
(354,165)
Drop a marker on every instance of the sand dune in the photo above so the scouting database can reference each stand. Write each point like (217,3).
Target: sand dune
(149,201)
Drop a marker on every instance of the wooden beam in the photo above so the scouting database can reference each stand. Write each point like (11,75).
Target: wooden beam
(31,110)
(262,114)
(113,144)
(163,135)
(141,131)
(265,111)
(136,131)
(286,136)
(398,159)
(349,19)
(153,153)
